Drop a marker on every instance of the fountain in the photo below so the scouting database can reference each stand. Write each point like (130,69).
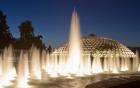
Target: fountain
(96,64)
(35,66)
(0,65)
(35,63)
(23,70)
(7,68)
(74,57)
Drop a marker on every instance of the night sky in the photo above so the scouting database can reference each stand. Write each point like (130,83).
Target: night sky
(116,19)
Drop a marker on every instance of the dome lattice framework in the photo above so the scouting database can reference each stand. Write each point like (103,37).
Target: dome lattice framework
(102,46)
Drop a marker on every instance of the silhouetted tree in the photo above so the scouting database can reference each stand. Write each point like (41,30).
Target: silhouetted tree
(49,49)
(5,36)
(92,35)
(27,37)
(26,30)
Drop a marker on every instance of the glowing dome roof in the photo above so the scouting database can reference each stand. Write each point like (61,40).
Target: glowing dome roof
(103,46)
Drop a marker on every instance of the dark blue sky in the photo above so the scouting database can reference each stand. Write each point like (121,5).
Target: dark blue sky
(116,19)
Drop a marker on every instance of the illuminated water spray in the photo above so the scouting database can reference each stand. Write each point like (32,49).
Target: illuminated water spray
(23,70)
(74,60)
(8,71)
(74,45)
(35,63)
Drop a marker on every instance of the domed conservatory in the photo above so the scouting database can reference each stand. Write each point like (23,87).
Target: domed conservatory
(100,54)
(91,54)
(92,45)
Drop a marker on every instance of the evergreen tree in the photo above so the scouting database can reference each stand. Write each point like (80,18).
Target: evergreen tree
(5,35)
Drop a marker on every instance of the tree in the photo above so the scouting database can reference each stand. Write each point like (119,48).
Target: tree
(27,38)
(5,36)
(26,30)
(49,49)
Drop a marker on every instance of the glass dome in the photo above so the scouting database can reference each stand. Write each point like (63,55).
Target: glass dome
(93,44)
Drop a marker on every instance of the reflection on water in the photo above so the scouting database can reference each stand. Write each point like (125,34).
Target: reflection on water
(76,82)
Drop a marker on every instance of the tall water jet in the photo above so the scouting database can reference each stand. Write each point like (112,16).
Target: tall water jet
(106,65)
(48,65)
(35,63)
(136,62)
(43,60)
(74,45)
(115,64)
(62,70)
(0,65)
(96,66)
(138,58)
(23,70)
(8,70)
(124,64)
